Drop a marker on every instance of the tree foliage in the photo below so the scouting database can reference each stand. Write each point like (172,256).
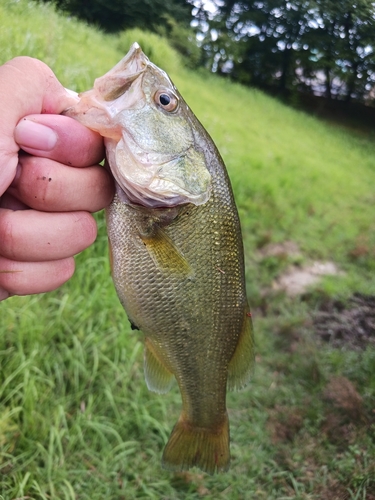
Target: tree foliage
(116,15)
(319,45)
(168,18)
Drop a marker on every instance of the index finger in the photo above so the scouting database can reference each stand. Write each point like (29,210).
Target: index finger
(27,86)
(75,144)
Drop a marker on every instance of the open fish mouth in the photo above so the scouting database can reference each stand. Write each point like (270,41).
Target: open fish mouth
(149,138)
(119,79)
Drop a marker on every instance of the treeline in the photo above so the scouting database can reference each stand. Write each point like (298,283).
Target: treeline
(323,47)
(168,18)
(118,15)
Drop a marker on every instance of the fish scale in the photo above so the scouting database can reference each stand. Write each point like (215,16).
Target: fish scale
(177,253)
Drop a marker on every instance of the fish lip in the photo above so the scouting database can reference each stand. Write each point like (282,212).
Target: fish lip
(135,49)
(126,71)
(135,54)
(106,90)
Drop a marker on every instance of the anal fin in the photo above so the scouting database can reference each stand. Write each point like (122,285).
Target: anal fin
(158,378)
(241,365)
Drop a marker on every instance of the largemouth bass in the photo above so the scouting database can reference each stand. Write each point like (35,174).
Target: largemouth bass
(176,251)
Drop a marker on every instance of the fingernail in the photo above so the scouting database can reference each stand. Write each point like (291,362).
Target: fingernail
(34,135)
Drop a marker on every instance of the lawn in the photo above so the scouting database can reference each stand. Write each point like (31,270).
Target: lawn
(76,419)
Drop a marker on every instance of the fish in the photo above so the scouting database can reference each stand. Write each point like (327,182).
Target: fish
(176,252)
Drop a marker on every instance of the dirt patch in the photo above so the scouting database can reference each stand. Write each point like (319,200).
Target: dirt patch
(284,249)
(344,413)
(296,280)
(334,490)
(342,394)
(284,423)
(351,324)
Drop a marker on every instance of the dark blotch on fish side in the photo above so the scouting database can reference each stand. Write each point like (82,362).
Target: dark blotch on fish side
(133,326)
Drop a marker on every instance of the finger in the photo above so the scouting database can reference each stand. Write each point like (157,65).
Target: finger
(11,202)
(38,91)
(24,278)
(32,236)
(51,136)
(44,184)
(4,294)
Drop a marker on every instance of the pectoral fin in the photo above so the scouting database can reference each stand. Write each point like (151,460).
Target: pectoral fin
(158,378)
(164,253)
(241,365)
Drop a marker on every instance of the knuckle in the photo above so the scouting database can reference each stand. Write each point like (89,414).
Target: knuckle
(37,185)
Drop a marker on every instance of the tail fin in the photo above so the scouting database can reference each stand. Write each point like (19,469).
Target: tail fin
(190,446)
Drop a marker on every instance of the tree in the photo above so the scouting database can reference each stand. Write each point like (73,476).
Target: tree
(269,33)
(343,44)
(116,15)
(281,44)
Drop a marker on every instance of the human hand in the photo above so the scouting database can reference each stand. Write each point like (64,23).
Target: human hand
(45,193)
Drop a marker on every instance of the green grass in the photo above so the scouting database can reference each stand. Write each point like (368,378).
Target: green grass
(76,419)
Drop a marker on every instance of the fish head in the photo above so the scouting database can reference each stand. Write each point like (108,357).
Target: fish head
(149,134)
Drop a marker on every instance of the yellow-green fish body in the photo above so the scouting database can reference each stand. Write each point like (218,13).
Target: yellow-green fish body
(177,255)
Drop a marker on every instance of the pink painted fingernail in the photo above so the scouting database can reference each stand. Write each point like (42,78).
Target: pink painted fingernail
(34,135)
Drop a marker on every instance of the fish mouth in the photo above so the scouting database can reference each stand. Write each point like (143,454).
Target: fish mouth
(120,78)
(98,107)
(121,107)
(152,178)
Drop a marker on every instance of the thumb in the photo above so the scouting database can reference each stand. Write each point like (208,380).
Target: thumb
(27,86)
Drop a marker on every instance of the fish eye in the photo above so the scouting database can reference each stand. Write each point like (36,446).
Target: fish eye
(166,100)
